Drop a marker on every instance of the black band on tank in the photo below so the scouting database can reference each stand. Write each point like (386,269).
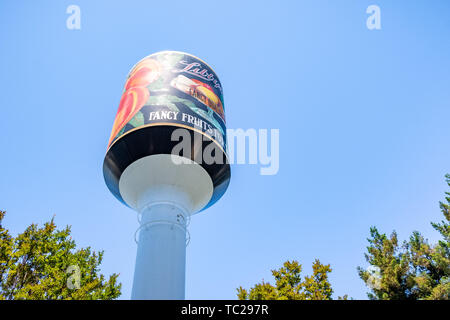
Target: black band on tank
(146,142)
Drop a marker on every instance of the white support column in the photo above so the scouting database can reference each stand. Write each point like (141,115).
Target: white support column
(165,193)
(161,254)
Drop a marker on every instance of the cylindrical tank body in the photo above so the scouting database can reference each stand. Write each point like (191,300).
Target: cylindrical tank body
(167,160)
(167,95)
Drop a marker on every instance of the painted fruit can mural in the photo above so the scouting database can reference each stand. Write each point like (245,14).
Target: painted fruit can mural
(165,92)
(173,88)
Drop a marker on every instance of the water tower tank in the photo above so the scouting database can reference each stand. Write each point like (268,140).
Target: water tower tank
(167,160)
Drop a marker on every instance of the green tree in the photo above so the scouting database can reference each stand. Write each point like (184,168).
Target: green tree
(44,263)
(411,271)
(289,284)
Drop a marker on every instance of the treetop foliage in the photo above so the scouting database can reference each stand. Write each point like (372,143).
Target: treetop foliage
(289,284)
(44,263)
(412,270)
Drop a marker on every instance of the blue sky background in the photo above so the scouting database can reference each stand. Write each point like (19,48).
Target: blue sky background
(363,118)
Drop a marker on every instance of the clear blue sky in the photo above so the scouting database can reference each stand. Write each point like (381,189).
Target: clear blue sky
(363,118)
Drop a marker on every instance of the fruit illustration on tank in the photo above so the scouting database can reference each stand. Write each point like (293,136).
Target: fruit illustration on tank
(132,101)
(136,93)
(144,73)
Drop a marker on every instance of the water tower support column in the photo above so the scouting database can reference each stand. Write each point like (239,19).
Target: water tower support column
(161,253)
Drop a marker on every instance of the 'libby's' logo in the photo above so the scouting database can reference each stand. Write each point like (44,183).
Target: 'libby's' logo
(196,69)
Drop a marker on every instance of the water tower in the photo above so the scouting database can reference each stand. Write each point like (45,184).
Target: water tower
(166,159)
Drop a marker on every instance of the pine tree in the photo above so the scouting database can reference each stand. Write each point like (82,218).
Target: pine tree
(414,270)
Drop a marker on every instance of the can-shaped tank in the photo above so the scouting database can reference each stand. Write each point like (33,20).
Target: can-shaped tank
(169,132)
